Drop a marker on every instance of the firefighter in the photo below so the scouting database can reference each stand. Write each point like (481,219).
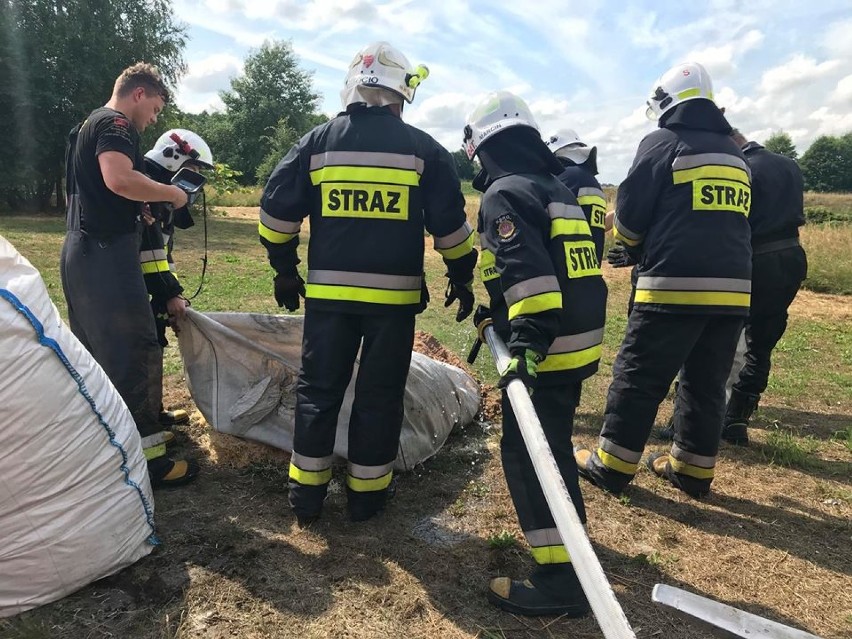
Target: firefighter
(779,265)
(548,302)
(174,149)
(372,185)
(107,301)
(684,208)
(580,166)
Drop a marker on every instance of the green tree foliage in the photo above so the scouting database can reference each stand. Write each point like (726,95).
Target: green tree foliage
(827,164)
(268,107)
(58,61)
(780,142)
(465,168)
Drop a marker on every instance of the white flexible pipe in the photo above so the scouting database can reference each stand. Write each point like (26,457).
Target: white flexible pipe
(602,599)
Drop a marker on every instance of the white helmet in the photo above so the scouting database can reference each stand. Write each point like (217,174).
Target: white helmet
(380,65)
(497,111)
(565,143)
(177,147)
(686,81)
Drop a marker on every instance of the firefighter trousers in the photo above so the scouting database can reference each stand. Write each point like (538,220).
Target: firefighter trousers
(655,347)
(108,311)
(555,407)
(329,349)
(776,278)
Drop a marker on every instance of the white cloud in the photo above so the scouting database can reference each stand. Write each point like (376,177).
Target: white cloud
(797,72)
(842,94)
(212,73)
(721,60)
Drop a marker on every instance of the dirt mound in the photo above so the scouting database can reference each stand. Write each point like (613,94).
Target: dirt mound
(428,345)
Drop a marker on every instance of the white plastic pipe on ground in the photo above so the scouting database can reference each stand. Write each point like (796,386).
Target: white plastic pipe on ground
(605,606)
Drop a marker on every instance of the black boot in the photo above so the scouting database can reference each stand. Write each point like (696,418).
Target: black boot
(667,433)
(739,411)
(551,590)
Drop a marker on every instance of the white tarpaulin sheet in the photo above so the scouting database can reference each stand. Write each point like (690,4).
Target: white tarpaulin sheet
(75,500)
(242,369)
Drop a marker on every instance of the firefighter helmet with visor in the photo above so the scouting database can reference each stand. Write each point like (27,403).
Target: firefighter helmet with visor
(686,81)
(496,112)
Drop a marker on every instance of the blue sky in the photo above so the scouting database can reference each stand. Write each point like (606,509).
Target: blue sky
(776,64)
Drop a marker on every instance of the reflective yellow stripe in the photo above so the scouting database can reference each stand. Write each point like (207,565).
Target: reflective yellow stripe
(368,485)
(618,236)
(591,199)
(459,250)
(375,175)
(361,294)
(689,93)
(614,463)
(711,171)
(550,555)
(159,266)
(153,452)
(310,477)
(561,226)
(536,304)
(693,298)
(487,266)
(274,236)
(689,470)
(568,361)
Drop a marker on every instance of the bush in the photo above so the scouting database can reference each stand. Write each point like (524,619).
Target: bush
(821,215)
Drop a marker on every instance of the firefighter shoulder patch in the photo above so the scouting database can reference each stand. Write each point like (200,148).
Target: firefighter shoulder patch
(506,229)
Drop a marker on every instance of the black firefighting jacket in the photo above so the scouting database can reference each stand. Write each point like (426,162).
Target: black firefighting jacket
(685,204)
(538,259)
(155,251)
(777,187)
(590,196)
(371,184)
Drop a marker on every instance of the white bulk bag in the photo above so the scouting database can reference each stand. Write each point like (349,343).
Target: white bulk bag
(75,499)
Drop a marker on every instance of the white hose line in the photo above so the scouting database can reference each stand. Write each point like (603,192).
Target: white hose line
(605,606)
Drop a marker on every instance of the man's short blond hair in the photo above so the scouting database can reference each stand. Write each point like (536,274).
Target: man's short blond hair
(142,75)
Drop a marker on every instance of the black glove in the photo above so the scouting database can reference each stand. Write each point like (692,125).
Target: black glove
(288,289)
(522,366)
(464,294)
(619,257)
(481,319)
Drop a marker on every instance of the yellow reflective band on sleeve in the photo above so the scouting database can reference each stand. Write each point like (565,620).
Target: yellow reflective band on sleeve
(369,485)
(721,195)
(487,266)
(581,259)
(562,226)
(536,304)
(693,298)
(371,174)
(274,236)
(689,470)
(153,452)
(550,555)
(594,200)
(459,250)
(570,361)
(618,236)
(361,294)
(363,200)
(614,463)
(310,477)
(711,172)
(157,266)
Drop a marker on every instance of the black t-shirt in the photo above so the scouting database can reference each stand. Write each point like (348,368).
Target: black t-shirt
(105,213)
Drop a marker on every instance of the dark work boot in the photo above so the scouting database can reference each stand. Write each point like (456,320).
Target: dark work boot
(660,465)
(739,411)
(551,590)
(169,418)
(667,433)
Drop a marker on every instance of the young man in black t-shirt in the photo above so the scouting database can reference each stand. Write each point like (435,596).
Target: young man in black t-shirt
(101,275)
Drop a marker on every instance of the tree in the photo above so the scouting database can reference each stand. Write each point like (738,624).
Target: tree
(280,142)
(58,61)
(464,167)
(780,142)
(827,164)
(267,107)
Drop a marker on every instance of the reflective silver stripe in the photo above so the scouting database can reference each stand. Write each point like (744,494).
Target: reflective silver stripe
(356,158)
(313,464)
(153,440)
(368,280)
(571,343)
(691,458)
(152,256)
(530,287)
(166,239)
(282,226)
(567,211)
(369,472)
(626,232)
(703,159)
(456,237)
(590,190)
(543,537)
(624,454)
(727,284)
